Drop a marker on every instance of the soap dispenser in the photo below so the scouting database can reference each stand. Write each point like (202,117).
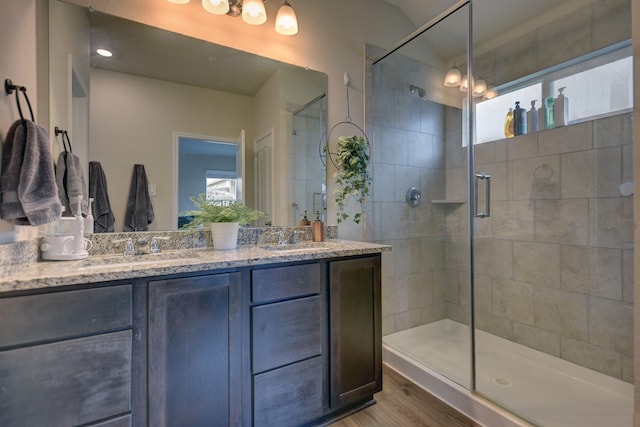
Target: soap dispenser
(561,109)
(532,118)
(305,220)
(317,229)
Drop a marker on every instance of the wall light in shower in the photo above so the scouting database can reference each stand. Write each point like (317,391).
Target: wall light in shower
(453,77)
(418,91)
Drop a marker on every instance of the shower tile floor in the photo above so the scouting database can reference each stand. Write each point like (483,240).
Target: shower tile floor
(540,388)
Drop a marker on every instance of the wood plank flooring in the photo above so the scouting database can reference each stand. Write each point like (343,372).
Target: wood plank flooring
(403,404)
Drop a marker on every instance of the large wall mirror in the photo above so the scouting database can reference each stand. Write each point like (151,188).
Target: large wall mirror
(160,88)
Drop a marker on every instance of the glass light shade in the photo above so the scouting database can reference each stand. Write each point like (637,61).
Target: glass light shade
(464,84)
(286,21)
(253,12)
(453,78)
(479,87)
(104,52)
(491,93)
(178,1)
(217,7)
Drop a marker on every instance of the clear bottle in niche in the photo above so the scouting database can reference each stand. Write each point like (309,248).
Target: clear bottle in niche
(561,109)
(548,122)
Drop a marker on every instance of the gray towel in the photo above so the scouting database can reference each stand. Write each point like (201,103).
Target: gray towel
(28,190)
(103,218)
(71,183)
(139,212)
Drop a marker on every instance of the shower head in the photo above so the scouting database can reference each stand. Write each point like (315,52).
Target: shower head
(418,91)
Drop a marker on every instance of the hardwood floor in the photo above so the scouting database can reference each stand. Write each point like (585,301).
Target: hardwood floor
(403,404)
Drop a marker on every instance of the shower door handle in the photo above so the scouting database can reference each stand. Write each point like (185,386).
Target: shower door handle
(487,203)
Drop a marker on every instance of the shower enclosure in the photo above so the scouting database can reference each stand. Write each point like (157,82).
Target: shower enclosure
(512,280)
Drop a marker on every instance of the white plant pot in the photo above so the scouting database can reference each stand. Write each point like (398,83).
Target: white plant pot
(224,235)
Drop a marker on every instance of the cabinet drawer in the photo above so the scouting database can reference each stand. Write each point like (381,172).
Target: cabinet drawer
(286,332)
(67,383)
(60,315)
(279,283)
(289,396)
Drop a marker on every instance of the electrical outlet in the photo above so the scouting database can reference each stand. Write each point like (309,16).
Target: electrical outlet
(152,190)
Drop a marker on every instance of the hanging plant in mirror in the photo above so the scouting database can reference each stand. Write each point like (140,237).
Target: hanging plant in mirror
(352,178)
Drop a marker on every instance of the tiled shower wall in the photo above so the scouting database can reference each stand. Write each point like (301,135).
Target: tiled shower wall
(407,136)
(554,262)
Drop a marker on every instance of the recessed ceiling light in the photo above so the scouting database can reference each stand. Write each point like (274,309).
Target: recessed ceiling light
(104,52)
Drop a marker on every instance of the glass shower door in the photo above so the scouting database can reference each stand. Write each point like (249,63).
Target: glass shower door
(552,263)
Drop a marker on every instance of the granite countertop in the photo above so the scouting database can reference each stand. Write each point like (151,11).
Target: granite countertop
(103,268)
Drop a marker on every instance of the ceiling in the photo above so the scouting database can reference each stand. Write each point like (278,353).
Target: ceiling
(151,52)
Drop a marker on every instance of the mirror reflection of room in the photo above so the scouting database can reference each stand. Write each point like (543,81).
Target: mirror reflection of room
(158,85)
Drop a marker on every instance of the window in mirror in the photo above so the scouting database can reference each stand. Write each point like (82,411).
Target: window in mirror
(221,186)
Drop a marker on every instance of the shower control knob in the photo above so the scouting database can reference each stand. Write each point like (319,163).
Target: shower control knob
(413,197)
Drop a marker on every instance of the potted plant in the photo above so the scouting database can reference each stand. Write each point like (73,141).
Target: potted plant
(223,217)
(352,178)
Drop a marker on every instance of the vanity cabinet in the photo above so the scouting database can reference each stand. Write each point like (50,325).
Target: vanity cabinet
(66,358)
(194,351)
(287,344)
(355,330)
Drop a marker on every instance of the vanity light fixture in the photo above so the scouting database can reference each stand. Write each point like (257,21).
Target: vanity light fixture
(252,12)
(217,7)
(286,21)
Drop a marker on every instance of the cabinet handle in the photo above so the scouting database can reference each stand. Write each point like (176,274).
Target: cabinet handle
(487,203)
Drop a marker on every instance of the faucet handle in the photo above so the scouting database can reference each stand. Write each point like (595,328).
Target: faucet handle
(154,246)
(129,249)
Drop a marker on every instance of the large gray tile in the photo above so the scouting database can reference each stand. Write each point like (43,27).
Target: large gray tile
(562,221)
(393,221)
(611,324)
(561,312)
(611,223)
(383,187)
(392,147)
(495,325)
(512,220)
(611,22)
(515,59)
(592,271)
(565,38)
(565,139)
(613,131)
(420,150)
(523,146)
(536,178)
(538,339)
(405,177)
(599,359)
(537,263)
(627,276)
(513,300)
(494,257)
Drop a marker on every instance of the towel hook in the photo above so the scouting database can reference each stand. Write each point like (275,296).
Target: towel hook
(9,88)
(65,142)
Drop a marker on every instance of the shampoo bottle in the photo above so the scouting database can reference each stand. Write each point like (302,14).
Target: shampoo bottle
(548,122)
(532,118)
(508,124)
(561,109)
(519,120)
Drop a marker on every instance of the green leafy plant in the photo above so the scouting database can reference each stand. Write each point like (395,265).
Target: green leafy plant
(352,178)
(209,211)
